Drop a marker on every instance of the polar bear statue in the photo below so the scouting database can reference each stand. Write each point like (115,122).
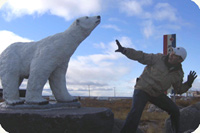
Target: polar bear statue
(40,61)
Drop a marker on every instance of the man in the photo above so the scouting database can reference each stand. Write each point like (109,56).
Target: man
(159,75)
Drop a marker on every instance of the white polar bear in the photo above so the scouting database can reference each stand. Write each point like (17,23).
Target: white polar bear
(40,61)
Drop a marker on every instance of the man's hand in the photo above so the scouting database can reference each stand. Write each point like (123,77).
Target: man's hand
(191,77)
(120,48)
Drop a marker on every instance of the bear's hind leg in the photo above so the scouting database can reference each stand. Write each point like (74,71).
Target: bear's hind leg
(10,85)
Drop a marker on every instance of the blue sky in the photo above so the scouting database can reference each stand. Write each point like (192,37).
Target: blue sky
(139,24)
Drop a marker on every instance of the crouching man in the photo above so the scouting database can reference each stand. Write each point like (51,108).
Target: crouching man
(161,72)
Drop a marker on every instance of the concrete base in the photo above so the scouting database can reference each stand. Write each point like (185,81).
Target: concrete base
(51,105)
(59,119)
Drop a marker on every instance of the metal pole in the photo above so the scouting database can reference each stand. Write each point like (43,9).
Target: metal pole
(89,89)
(114,92)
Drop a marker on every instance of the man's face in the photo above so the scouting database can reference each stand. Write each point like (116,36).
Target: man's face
(174,59)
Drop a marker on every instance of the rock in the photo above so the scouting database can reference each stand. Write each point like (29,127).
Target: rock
(197,130)
(57,120)
(189,131)
(154,108)
(118,126)
(189,120)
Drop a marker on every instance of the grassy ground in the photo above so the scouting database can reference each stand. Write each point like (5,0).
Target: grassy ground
(151,122)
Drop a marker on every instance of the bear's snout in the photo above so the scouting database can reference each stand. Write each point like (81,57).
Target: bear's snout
(99,19)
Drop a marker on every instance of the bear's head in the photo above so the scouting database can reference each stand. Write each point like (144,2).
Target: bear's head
(87,24)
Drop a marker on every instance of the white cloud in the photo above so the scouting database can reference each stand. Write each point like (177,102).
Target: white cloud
(164,11)
(150,14)
(111,47)
(135,7)
(97,68)
(100,45)
(8,37)
(2,2)
(146,2)
(131,8)
(148,29)
(67,9)
(109,26)
(100,71)
(161,12)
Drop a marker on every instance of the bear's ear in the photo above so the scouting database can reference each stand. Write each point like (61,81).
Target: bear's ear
(77,21)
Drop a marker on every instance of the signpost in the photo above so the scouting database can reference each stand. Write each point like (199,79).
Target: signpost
(169,41)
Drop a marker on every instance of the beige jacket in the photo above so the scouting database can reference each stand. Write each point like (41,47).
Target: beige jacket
(157,77)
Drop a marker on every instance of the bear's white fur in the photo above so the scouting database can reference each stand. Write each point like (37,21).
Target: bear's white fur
(40,61)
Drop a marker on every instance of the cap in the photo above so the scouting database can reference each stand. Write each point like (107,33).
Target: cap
(180,51)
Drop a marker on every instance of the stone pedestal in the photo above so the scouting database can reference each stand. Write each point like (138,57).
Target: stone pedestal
(56,119)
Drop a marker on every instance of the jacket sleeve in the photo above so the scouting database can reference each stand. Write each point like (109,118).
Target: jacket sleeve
(180,87)
(144,58)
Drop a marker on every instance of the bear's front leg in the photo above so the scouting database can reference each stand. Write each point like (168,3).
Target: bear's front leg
(57,83)
(36,82)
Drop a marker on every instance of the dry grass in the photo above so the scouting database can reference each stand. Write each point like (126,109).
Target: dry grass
(185,103)
(120,108)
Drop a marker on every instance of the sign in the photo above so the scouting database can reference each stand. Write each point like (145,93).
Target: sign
(169,41)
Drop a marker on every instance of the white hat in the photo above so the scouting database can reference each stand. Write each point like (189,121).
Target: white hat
(180,51)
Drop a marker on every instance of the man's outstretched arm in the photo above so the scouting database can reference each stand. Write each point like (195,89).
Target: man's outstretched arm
(140,56)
